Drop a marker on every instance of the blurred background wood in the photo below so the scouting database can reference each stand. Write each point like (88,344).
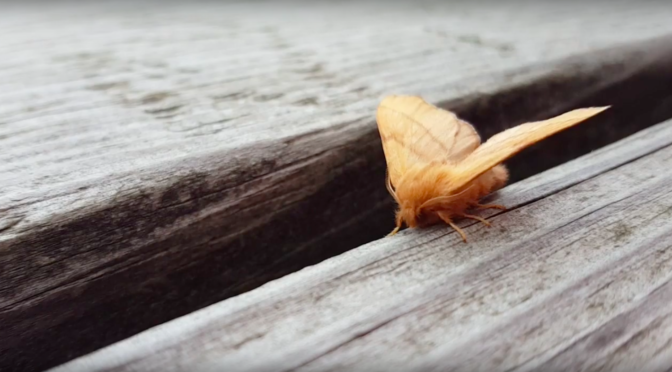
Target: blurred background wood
(576,275)
(158,158)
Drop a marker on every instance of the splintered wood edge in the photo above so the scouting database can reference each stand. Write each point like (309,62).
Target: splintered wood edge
(206,323)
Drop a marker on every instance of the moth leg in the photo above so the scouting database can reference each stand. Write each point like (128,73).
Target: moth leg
(489,206)
(447,220)
(398,221)
(472,217)
(396,230)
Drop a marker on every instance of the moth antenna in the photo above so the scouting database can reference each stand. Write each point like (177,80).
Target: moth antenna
(390,189)
(440,199)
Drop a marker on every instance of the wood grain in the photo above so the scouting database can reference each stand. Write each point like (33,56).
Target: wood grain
(575,276)
(157,159)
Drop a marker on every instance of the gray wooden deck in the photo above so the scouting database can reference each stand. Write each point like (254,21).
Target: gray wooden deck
(157,159)
(577,275)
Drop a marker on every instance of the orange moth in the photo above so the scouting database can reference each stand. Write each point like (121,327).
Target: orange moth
(437,168)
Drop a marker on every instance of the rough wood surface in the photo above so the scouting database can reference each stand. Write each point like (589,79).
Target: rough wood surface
(151,155)
(577,276)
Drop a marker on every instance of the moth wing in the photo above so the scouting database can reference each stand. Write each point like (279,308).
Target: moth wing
(509,142)
(414,131)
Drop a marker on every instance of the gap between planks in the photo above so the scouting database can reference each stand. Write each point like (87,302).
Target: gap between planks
(428,302)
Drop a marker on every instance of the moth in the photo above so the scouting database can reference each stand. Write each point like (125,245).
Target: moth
(437,168)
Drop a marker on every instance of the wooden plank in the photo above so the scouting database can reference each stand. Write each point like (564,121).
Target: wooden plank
(576,276)
(151,160)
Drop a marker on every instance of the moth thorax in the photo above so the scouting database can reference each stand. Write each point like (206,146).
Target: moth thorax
(422,183)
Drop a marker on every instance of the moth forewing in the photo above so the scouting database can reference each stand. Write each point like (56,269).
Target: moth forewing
(506,144)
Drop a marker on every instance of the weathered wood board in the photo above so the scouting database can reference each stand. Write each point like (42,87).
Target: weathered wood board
(576,276)
(159,158)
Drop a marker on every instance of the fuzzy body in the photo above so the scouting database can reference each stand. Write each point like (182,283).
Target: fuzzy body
(423,183)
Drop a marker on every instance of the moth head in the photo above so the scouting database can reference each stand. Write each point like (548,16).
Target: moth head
(408,215)
(409,207)
(419,193)
(410,211)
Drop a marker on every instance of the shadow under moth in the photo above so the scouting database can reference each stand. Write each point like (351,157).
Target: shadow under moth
(437,167)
